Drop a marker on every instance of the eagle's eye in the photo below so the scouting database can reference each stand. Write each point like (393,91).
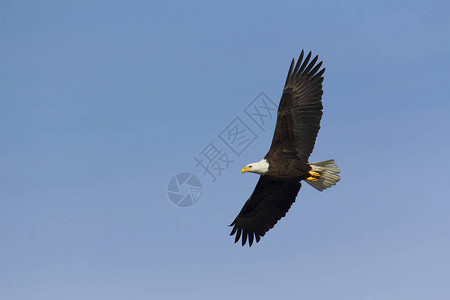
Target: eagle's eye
(250,167)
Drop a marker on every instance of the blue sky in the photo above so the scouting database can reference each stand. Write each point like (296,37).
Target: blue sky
(101,104)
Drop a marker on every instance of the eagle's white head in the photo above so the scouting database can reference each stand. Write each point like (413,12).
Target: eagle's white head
(260,167)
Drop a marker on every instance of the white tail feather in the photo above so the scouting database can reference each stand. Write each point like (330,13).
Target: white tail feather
(328,171)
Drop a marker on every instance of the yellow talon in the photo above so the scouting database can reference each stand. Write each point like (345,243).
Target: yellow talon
(314,176)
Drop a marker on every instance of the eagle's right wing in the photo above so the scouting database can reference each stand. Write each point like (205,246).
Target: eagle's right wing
(269,202)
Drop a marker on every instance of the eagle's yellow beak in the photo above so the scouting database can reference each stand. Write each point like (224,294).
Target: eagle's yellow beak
(245,169)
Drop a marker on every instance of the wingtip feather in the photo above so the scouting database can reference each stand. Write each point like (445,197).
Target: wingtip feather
(290,72)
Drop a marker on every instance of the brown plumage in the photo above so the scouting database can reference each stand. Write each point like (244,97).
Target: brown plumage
(286,163)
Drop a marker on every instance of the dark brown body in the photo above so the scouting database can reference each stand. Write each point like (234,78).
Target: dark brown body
(288,169)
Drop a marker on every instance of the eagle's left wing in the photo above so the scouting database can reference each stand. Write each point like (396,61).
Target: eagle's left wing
(269,202)
(300,109)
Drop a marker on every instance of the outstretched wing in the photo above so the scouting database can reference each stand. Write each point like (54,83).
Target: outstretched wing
(269,202)
(300,109)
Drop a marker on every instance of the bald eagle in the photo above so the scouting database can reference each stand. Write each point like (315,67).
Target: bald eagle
(286,164)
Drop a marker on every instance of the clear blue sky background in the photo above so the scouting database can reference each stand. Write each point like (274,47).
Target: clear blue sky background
(102,102)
